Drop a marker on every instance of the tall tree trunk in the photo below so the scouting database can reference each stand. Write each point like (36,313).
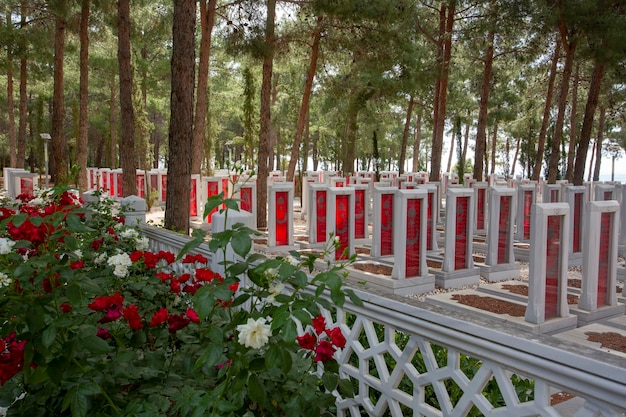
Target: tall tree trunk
(306,98)
(350,137)
(274,128)
(572,130)
(265,115)
(417,141)
(128,162)
(59,152)
(553,164)
(494,143)
(181,116)
(465,142)
(440,115)
(112,127)
(81,148)
(585,133)
(452,140)
(514,162)
(485,90)
(21,136)
(541,141)
(599,140)
(592,160)
(207,20)
(405,134)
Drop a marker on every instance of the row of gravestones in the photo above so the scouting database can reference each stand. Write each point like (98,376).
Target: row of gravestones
(405,224)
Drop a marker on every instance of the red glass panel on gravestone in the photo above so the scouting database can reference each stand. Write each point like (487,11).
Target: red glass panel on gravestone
(339,184)
(141,192)
(154,181)
(359,214)
(553,244)
(112,183)
(480,208)
(608,195)
(193,206)
(604,260)
(282,218)
(528,201)
(163,187)
(92,179)
(342,225)
(503,229)
(578,222)
(460,242)
(225,187)
(429,221)
(320,215)
(120,185)
(212,190)
(245,195)
(554,196)
(413,223)
(26,186)
(386,224)
(105,182)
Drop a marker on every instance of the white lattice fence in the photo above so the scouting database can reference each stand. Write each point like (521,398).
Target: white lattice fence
(408,358)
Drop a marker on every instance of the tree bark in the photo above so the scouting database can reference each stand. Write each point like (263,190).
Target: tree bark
(306,98)
(207,21)
(417,141)
(541,141)
(585,133)
(599,140)
(128,162)
(553,165)
(439,117)
(112,127)
(405,134)
(83,93)
(265,115)
(517,146)
(58,144)
(452,140)
(485,90)
(494,143)
(572,130)
(21,136)
(181,116)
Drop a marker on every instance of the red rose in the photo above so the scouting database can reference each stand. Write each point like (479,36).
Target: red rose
(319,324)
(324,351)
(307,341)
(131,314)
(159,317)
(77,264)
(192,315)
(177,322)
(336,336)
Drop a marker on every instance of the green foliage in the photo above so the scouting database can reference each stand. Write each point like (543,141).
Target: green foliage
(96,324)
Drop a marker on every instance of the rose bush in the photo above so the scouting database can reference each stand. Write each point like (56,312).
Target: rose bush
(94,323)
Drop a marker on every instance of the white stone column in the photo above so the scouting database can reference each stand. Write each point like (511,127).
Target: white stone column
(547,292)
(382,221)
(316,223)
(280,216)
(500,262)
(361,212)
(526,198)
(576,197)
(340,221)
(481,206)
(459,230)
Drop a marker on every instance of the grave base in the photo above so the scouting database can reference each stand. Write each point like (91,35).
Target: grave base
(456,279)
(602,313)
(388,285)
(549,327)
(502,272)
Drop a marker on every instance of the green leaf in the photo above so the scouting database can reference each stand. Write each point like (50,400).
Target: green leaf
(338,297)
(290,331)
(303,316)
(237,268)
(20,218)
(278,357)
(241,244)
(300,279)
(231,203)
(48,335)
(35,318)
(75,224)
(256,389)
(79,405)
(212,203)
(204,301)
(346,388)
(212,356)
(330,381)
(279,317)
(74,293)
(354,298)
(189,246)
(95,345)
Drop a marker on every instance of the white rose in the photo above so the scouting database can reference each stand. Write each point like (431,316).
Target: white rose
(255,333)
(121,262)
(292,260)
(6,245)
(129,234)
(5,281)
(142,243)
